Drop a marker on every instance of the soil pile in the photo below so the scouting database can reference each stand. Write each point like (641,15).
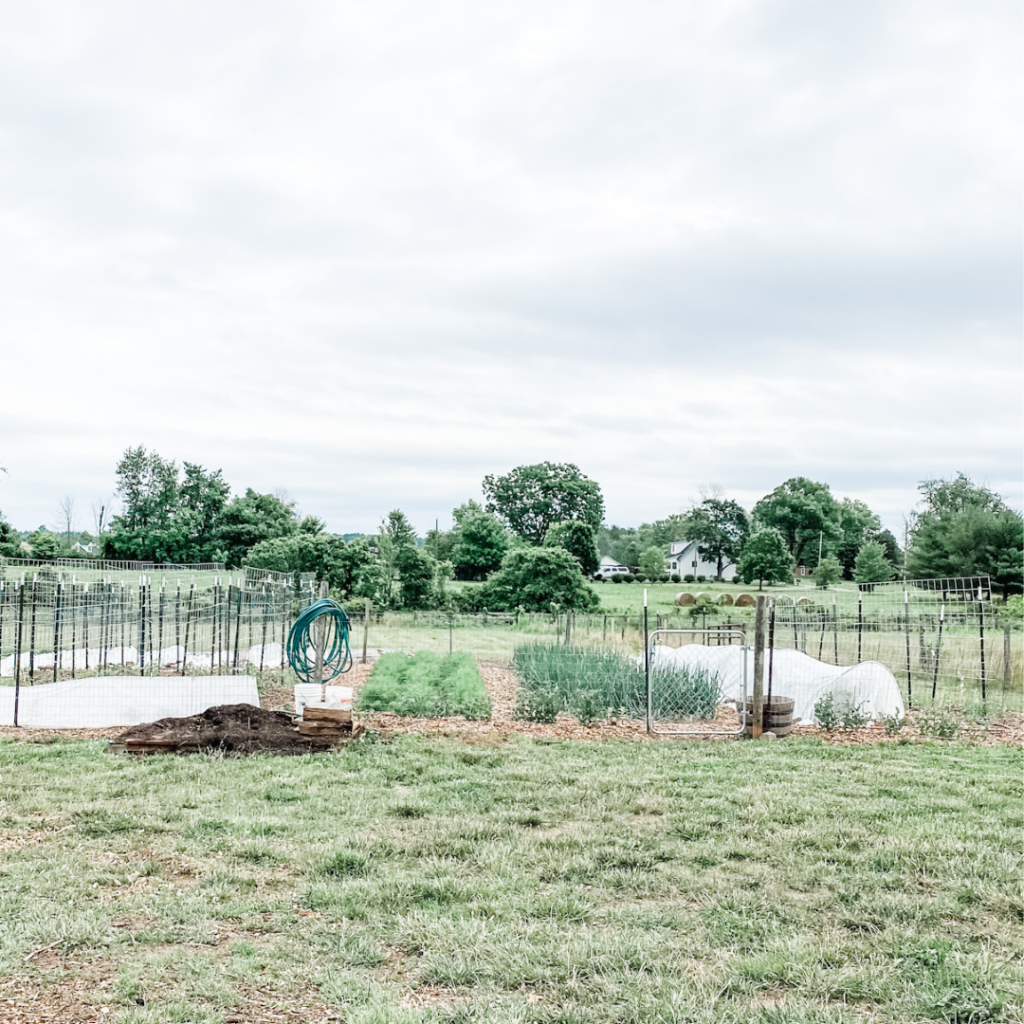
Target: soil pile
(230,729)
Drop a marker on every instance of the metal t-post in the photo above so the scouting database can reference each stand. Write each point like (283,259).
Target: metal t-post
(647,664)
(320,643)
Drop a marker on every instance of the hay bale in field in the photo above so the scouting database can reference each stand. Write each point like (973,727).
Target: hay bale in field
(685,599)
(803,601)
(725,599)
(745,601)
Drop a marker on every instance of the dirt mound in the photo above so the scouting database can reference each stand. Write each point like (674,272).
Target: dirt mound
(230,729)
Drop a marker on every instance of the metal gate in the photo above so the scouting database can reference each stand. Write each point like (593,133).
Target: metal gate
(673,702)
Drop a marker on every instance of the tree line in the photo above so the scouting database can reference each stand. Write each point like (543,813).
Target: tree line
(540,532)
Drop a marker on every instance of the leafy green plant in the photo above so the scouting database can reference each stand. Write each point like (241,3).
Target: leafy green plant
(938,723)
(833,714)
(893,724)
(426,686)
(538,704)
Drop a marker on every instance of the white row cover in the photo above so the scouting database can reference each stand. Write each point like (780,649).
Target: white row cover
(101,702)
(805,680)
(169,657)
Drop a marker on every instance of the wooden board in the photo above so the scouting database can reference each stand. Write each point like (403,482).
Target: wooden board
(312,714)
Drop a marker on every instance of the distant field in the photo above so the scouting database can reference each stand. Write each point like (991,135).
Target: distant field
(435,882)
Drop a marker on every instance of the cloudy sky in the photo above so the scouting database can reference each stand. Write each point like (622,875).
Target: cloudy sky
(369,252)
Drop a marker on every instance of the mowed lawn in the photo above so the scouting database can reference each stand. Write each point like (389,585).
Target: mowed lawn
(434,880)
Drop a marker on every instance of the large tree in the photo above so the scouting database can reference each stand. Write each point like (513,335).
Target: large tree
(578,539)
(530,498)
(766,558)
(858,525)
(479,542)
(966,530)
(805,513)
(250,519)
(720,528)
(871,565)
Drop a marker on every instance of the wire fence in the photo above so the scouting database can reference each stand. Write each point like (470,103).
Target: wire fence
(58,621)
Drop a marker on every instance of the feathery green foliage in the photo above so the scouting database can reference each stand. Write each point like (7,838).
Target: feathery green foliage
(583,680)
(426,686)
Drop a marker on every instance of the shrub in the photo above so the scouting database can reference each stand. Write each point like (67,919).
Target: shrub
(628,577)
(689,578)
(617,578)
(640,577)
(701,579)
(676,578)
(426,686)
(935,722)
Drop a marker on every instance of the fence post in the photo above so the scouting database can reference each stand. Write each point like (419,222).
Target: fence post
(568,627)
(757,725)
(938,651)
(238,625)
(1006,657)
(860,622)
(906,630)
(981,638)
(17,649)
(366,628)
(647,664)
(835,628)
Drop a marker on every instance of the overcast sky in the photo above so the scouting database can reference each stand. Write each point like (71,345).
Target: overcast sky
(369,252)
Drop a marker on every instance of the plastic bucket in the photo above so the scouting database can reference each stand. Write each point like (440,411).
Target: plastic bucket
(306,694)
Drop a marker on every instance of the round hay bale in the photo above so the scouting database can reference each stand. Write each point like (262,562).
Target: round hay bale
(803,601)
(684,599)
(745,601)
(704,596)
(725,599)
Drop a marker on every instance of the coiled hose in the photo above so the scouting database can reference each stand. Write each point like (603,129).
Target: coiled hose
(302,649)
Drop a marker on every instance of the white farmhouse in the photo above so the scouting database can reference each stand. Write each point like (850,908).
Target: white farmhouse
(683,558)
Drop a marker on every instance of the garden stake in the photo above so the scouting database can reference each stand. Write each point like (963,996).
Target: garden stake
(263,638)
(238,625)
(160,635)
(56,627)
(860,621)
(74,626)
(142,626)
(771,646)
(32,639)
(835,628)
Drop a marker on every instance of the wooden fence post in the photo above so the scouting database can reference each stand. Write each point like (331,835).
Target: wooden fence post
(757,725)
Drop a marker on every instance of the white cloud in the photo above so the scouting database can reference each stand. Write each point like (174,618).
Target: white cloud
(371,252)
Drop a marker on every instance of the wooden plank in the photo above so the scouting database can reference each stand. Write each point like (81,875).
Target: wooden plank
(314,714)
(321,729)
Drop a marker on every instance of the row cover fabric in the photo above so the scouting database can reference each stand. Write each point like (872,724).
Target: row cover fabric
(169,657)
(805,680)
(102,702)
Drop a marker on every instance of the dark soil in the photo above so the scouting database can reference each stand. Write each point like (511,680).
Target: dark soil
(229,729)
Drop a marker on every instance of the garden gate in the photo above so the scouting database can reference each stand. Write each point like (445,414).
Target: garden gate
(676,706)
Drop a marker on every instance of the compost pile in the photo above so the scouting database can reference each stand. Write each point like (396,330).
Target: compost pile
(229,729)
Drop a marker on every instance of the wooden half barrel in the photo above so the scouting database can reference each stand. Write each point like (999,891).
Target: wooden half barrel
(778,717)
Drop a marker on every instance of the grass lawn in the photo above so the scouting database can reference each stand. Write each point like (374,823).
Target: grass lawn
(432,880)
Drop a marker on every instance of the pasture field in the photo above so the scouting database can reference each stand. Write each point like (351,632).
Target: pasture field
(431,880)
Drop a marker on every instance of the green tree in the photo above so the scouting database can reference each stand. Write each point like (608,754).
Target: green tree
(147,486)
(858,524)
(720,528)
(202,498)
(479,543)
(531,498)
(578,539)
(652,562)
(766,558)
(417,571)
(828,571)
(966,530)
(802,511)
(10,540)
(45,544)
(536,579)
(250,519)
(871,565)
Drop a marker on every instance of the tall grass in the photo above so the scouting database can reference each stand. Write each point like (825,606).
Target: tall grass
(426,686)
(591,683)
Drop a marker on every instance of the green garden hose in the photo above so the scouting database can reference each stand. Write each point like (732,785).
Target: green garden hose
(302,650)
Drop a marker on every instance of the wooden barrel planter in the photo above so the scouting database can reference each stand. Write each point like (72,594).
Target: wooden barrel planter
(778,717)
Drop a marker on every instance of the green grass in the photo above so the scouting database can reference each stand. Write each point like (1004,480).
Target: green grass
(426,686)
(592,683)
(431,881)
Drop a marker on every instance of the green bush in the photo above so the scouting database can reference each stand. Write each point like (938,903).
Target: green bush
(676,578)
(593,684)
(617,578)
(834,714)
(426,686)
(688,578)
